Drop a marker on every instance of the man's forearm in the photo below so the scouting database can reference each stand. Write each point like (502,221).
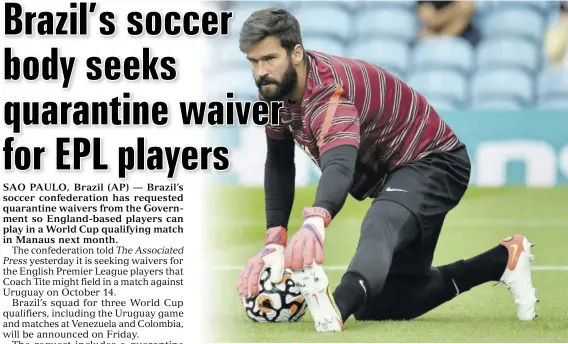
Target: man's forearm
(338,166)
(279,182)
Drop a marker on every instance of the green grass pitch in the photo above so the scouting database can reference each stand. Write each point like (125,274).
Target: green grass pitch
(484,314)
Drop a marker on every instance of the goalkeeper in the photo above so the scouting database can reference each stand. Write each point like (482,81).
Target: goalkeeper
(374,137)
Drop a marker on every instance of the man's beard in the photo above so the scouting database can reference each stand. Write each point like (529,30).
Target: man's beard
(283,88)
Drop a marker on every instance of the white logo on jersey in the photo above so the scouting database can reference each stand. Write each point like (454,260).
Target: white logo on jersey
(389,189)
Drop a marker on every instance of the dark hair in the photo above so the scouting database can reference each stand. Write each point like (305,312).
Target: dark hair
(270,22)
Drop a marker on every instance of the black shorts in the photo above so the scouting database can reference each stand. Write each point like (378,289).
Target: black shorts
(429,189)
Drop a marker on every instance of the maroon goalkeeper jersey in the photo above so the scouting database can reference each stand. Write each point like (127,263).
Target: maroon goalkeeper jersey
(352,102)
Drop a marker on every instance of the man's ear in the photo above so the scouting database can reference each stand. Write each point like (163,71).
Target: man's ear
(297,54)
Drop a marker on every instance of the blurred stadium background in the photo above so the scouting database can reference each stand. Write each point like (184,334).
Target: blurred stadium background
(502,84)
(506,68)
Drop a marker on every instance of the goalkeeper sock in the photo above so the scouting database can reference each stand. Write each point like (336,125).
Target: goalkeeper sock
(350,294)
(485,267)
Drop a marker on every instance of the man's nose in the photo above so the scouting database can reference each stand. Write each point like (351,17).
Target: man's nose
(261,69)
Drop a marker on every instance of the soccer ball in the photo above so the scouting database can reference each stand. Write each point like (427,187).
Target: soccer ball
(280,302)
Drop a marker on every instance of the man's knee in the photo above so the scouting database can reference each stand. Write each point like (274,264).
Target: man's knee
(403,297)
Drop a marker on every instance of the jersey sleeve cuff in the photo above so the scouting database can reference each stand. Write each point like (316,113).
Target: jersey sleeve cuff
(342,142)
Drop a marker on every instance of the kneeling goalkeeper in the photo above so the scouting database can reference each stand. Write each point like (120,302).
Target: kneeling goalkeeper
(374,137)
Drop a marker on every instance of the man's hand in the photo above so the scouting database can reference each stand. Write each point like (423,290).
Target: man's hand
(306,247)
(272,256)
